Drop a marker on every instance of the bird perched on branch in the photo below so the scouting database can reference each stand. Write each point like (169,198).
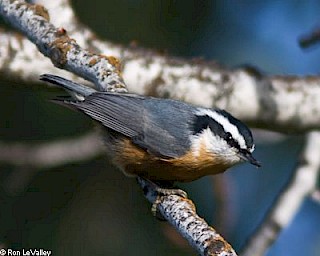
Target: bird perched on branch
(162,139)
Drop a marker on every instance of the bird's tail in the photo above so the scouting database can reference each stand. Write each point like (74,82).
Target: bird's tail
(79,89)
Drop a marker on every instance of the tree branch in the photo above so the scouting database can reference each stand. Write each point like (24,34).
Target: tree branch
(64,52)
(181,213)
(32,158)
(51,154)
(33,21)
(315,195)
(289,201)
(310,39)
(279,103)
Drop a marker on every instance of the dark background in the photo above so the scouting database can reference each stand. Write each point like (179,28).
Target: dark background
(89,208)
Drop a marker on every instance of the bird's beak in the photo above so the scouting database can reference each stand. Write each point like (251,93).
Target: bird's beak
(247,156)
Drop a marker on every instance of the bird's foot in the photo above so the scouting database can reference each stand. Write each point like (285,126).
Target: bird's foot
(156,190)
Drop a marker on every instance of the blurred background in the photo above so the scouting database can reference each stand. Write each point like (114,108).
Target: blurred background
(89,208)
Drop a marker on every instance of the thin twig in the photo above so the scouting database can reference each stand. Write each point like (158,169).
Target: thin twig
(310,39)
(51,154)
(289,201)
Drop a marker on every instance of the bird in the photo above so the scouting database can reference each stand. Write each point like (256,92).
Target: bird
(162,140)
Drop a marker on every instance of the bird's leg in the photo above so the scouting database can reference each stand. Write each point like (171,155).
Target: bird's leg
(154,190)
(167,188)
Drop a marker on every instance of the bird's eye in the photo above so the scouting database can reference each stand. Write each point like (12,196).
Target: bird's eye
(228,136)
(231,141)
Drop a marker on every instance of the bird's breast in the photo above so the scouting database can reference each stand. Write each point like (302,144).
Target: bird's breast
(135,161)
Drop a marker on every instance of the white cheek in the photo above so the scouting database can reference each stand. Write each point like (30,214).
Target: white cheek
(215,145)
(220,148)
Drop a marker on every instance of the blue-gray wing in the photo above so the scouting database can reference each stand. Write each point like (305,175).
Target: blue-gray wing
(160,126)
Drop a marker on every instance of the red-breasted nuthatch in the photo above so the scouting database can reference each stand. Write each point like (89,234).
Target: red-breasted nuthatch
(162,139)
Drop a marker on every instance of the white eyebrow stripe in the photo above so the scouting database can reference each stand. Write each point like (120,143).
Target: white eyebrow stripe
(227,126)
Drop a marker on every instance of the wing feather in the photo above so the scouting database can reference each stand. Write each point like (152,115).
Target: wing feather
(159,126)
(112,111)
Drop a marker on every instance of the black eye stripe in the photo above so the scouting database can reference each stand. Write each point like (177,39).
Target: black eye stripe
(243,129)
(199,125)
(231,141)
(203,122)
